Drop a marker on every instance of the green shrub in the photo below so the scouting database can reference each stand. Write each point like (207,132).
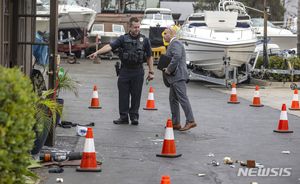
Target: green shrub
(16,122)
(278,63)
(259,63)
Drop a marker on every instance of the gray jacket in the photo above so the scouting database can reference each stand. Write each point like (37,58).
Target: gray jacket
(178,63)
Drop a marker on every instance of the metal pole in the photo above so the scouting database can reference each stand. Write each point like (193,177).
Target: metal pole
(265,59)
(69,38)
(53,42)
(298,30)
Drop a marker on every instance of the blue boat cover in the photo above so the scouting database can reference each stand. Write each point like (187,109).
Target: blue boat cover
(41,52)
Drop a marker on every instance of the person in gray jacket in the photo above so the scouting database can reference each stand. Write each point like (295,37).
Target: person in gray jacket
(176,74)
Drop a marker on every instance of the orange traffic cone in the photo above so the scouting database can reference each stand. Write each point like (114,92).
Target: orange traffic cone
(233,97)
(150,103)
(283,126)
(88,160)
(169,149)
(256,99)
(95,100)
(165,179)
(295,103)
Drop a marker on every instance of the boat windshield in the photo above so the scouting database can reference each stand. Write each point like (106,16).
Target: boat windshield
(148,16)
(260,23)
(158,16)
(167,17)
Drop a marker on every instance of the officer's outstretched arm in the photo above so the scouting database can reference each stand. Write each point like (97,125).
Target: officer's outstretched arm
(150,64)
(104,49)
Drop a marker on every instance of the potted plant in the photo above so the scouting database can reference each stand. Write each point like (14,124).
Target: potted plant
(66,83)
(46,114)
(46,111)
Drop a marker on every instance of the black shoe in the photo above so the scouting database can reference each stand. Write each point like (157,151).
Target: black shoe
(121,121)
(134,121)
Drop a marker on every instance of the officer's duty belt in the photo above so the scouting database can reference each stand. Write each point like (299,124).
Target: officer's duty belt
(131,66)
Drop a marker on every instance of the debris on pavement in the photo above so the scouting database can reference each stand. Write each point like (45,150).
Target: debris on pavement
(227,160)
(215,163)
(251,163)
(59,180)
(285,152)
(238,161)
(210,154)
(81,131)
(243,163)
(56,170)
(201,175)
(260,166)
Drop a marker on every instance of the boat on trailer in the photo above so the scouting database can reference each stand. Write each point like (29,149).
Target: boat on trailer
(218,43)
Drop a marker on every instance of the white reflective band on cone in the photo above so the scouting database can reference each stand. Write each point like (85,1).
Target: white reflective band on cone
(150,96)
(283,115)
(295,97)
(89,146)
(233,91)
(169,134)
(256,93)
(95,94)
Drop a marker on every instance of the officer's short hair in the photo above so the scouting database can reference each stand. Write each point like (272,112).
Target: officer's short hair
(133,19)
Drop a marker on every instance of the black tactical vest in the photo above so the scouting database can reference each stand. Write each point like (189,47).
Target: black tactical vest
(133,51)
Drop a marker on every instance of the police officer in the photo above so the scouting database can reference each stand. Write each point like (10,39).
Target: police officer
(135,49)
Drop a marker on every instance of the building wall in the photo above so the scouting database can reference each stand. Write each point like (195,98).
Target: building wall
(184,8)
(109,18)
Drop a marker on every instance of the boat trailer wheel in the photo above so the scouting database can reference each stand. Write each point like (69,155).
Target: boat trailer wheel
(229,84)
(293,86)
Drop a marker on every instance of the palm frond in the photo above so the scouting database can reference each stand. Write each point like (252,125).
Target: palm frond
(46,110)
(67,83)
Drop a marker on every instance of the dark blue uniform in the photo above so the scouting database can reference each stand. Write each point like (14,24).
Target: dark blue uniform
(131,76)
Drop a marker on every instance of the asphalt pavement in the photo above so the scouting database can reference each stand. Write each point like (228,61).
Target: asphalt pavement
(128,152)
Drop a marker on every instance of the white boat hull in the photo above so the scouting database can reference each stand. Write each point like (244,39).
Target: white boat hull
(77,19)
(210,56)
(210,38)
(284,42)
(272,49)
(284,38)
(69,16)
(74,16)
(107,37)
(156,17)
